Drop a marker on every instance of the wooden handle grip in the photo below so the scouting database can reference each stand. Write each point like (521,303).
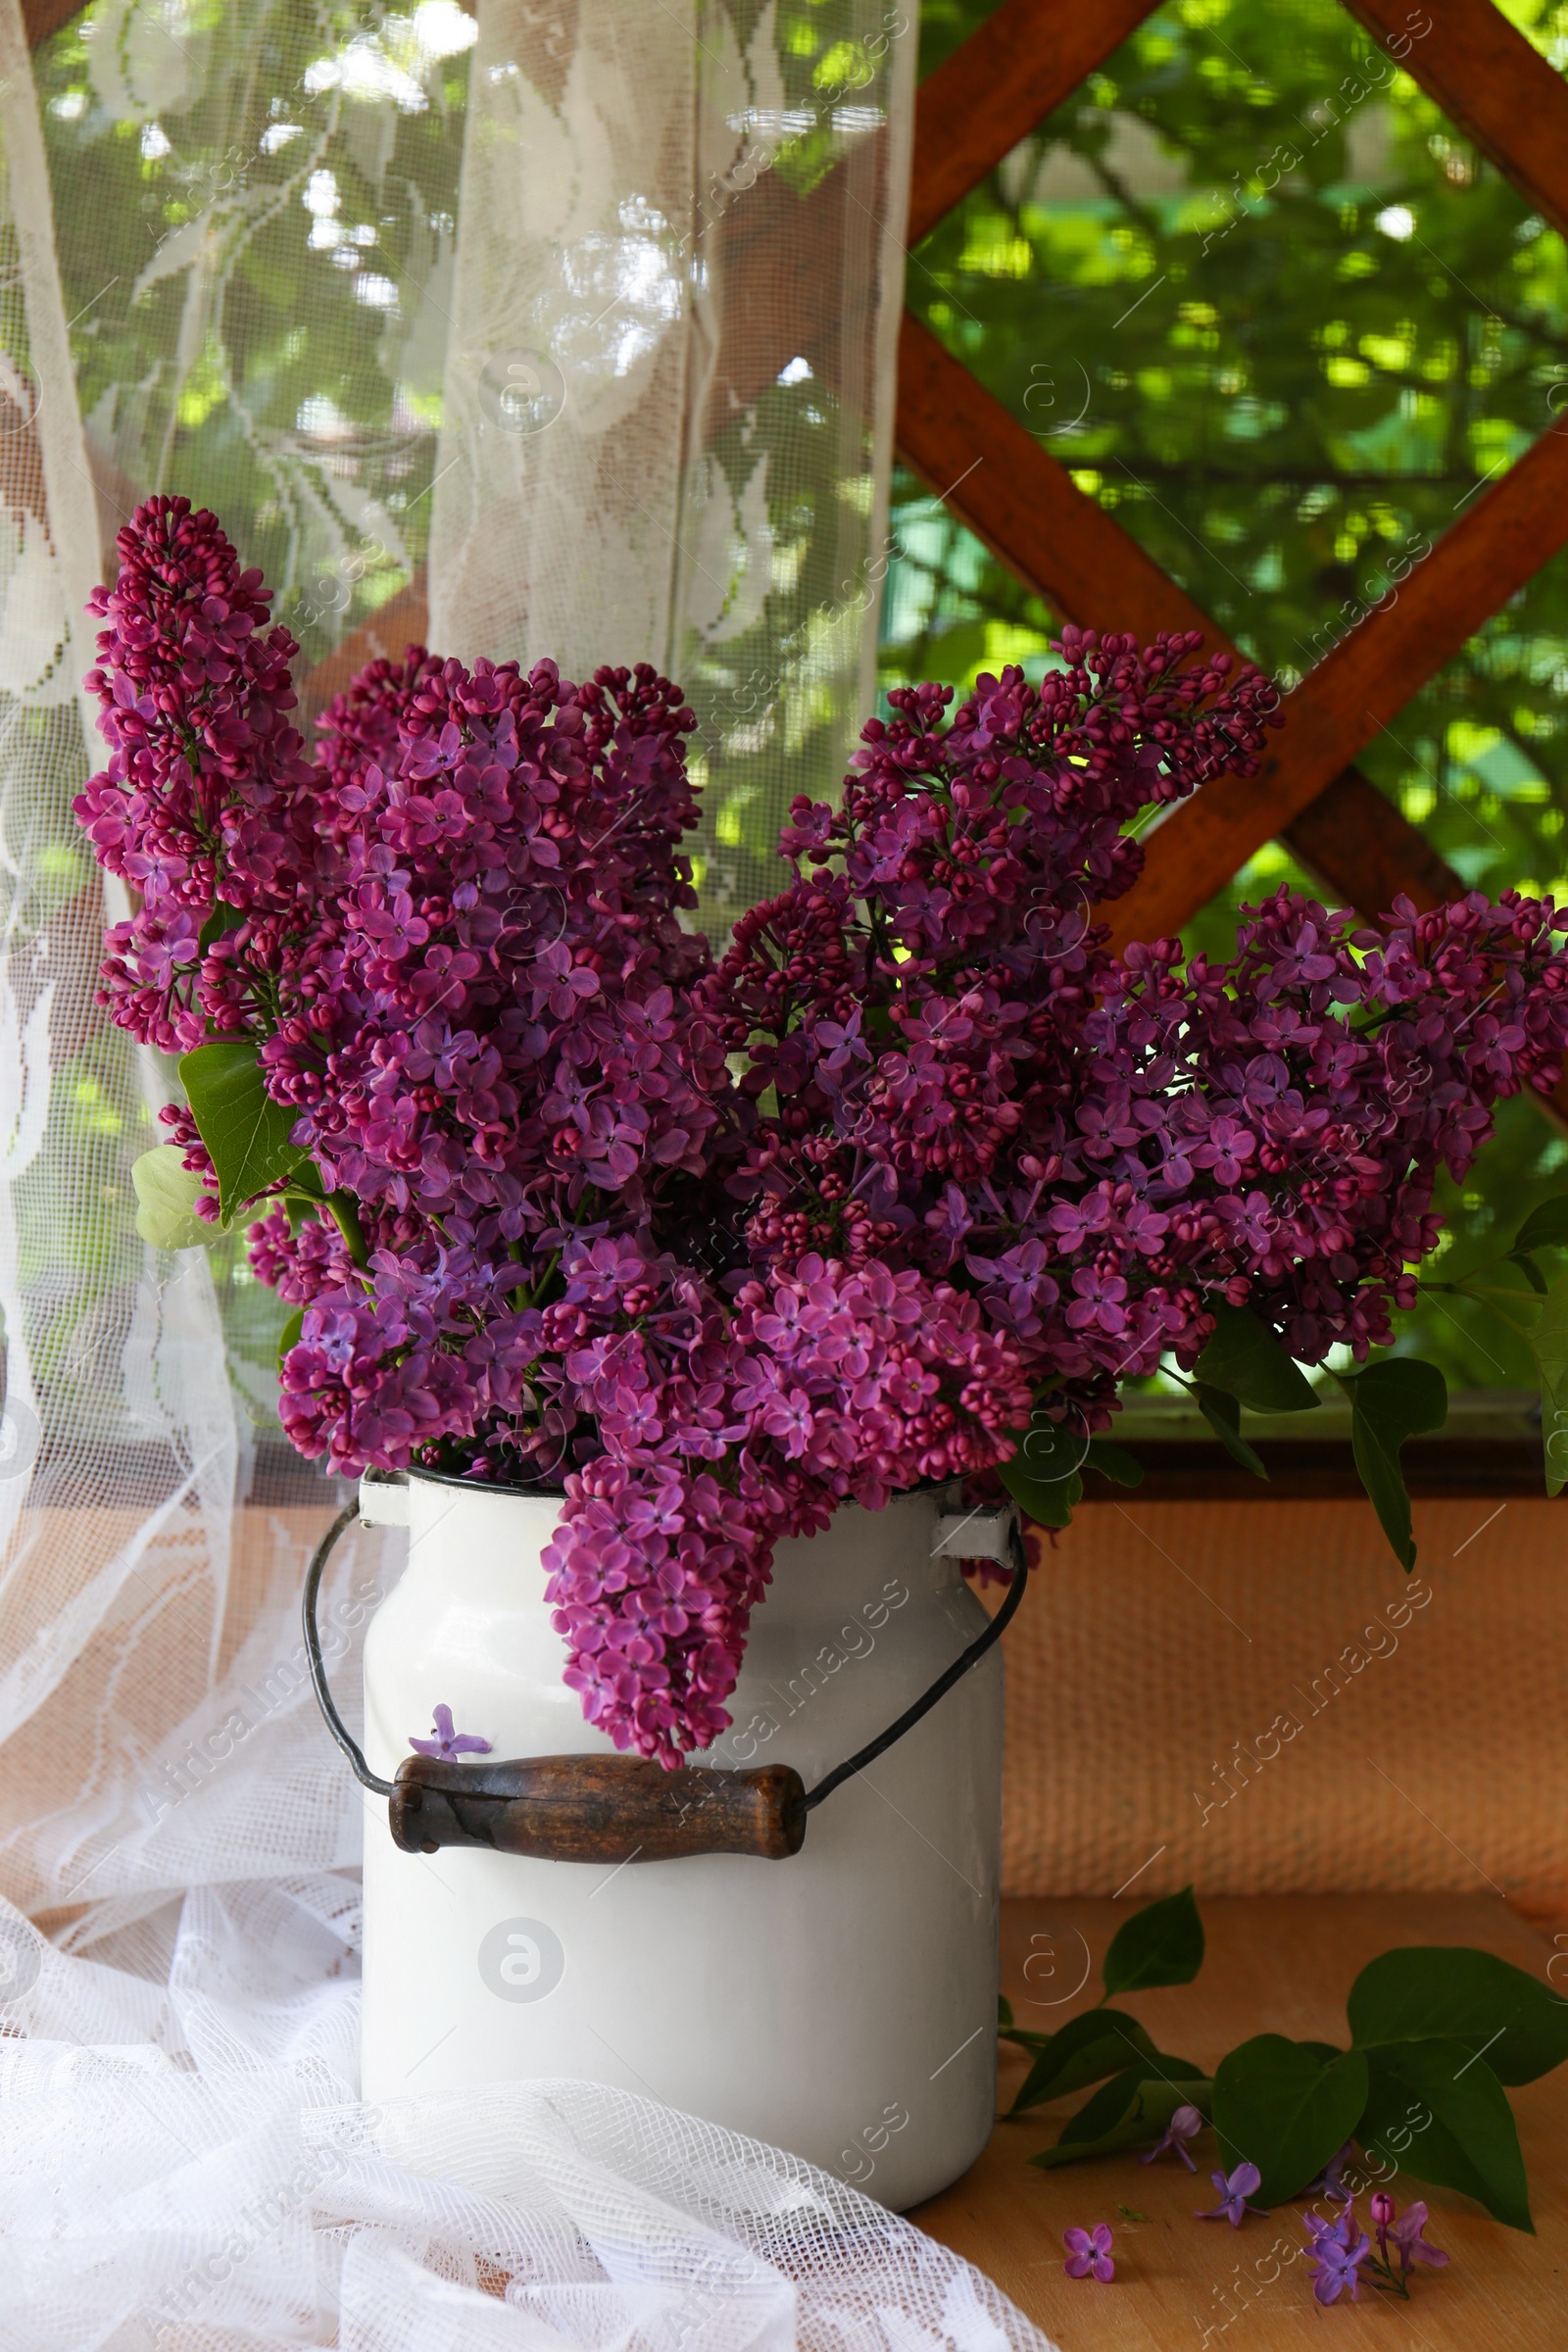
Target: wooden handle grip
(597,1809)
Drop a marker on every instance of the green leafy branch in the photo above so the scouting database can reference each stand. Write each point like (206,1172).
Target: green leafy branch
(1435,2035)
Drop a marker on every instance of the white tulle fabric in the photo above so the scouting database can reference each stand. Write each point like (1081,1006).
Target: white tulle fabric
(183,2163)
(401,202)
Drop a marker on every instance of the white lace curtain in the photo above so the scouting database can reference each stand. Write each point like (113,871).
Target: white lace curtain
(563,328)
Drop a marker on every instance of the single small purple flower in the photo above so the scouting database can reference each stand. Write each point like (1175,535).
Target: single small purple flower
(1089,2251)
(1406,2235)
(1235,2195)
(1184,2124)
(447,1743)
(1337,2258)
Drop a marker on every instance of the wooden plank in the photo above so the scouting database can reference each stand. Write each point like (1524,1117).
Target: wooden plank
(1357,845)
(41,18)
(778,253)
(1280,1964)
(778,261)
(1197,1469)
(1493,84)
(999,86)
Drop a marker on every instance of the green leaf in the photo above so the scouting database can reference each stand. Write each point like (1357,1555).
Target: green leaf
(1047,1505)
(1043,1474)
(1162,1944)
(1224,1417)
(1108,2106)
(1281,2106)
(1114,1462)
(1548,1341)
(218,923)
(1050,1450)
(1546,1227)
(1124,2112)
(289,1336)
(1443,2113)
(1450,1992)
(166,1192)
(1247,1361)
(1389,1402)
(246,1133)
(1099,2042)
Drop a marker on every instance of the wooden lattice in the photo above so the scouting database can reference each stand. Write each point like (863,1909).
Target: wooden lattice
(1024,62)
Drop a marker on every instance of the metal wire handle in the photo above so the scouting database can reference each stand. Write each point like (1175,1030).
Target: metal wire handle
(825,1787)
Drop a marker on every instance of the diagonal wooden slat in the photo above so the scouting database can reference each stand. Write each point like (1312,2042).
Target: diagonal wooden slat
(1362,853)
(1065,545)
(41,18)
(1505,96)
(996,88)
(1496,88)
(1497,545)
(1493,84)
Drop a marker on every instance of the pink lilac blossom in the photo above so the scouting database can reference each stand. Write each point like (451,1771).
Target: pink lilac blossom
(1089,2253)
(971,1159)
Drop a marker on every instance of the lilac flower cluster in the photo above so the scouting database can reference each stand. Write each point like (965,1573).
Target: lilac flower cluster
(1340,2249)
(971,1161)
(953,1073)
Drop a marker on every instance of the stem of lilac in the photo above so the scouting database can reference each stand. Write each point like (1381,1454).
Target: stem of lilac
(1385,2280)
(347,1219)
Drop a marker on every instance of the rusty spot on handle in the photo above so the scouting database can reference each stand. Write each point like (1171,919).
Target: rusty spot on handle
(597,1809)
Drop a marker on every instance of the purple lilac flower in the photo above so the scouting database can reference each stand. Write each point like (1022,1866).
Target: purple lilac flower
(1089,2253)
(1406,2232)
(1235,2195)
(1338,2251)
(447,1743)
(1184,2124)
(968,1153)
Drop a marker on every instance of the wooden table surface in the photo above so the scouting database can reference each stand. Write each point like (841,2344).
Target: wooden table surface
(1275,1964)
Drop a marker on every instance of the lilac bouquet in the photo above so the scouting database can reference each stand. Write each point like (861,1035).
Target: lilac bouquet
(899,1188)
